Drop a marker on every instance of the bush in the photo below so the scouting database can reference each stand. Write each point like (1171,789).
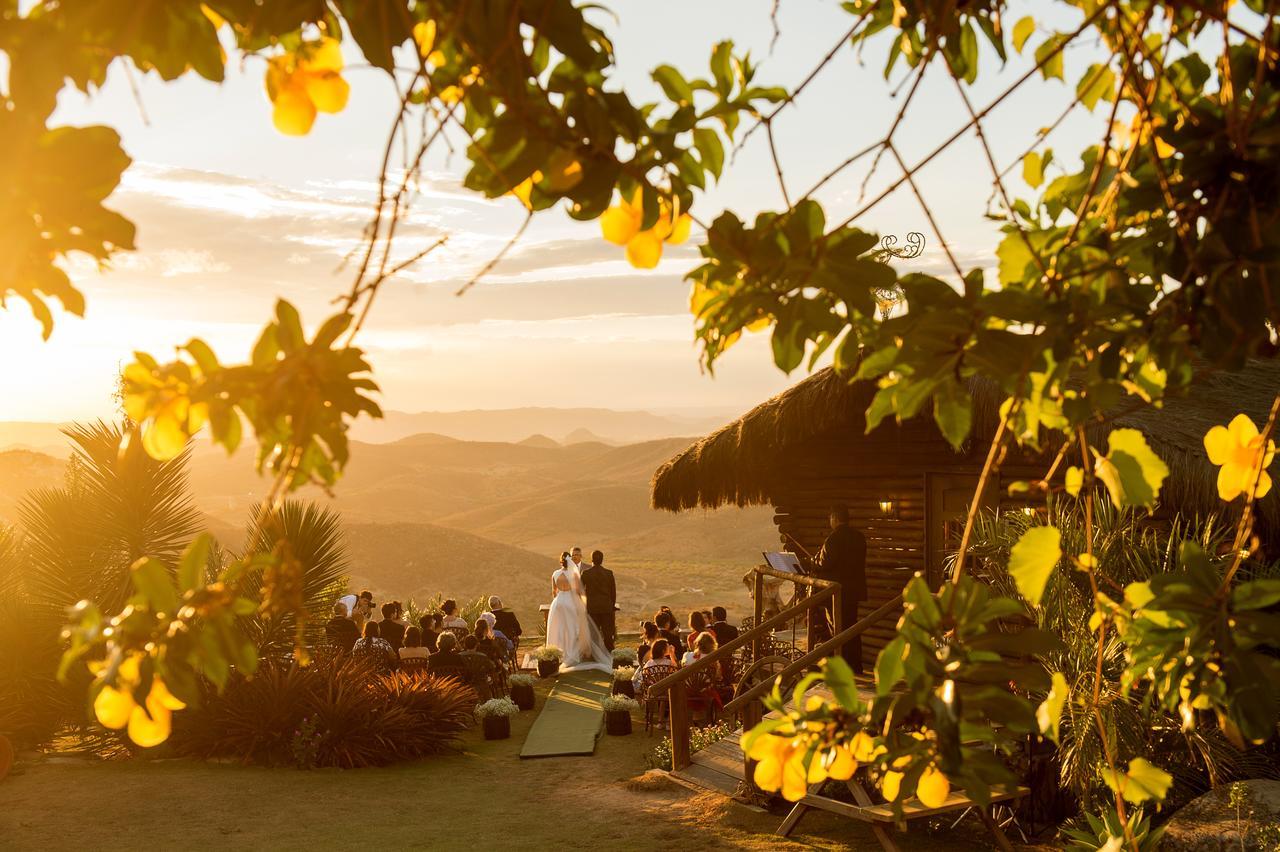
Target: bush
(699,738)
(521,680)
(352,717)
(624,656)
(624,673)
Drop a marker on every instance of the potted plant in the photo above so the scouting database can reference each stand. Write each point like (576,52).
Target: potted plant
(548,657)
(624,657)
(495,716)
(522,690)
(617,714)
(623,681)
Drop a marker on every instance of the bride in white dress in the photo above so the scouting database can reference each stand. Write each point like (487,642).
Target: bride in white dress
(569,628)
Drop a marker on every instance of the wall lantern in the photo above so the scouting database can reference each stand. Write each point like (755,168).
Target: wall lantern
(888,508)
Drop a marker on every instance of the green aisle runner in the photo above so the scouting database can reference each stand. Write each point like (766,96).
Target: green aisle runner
(571,720)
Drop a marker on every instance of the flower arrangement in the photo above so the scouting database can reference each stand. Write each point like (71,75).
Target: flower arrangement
(547,654)
(624,673)
(500,707)
(620,703)
(521,680)
(624,656)
(699,738)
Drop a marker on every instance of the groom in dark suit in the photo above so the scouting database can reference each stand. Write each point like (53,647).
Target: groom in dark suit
(602,595)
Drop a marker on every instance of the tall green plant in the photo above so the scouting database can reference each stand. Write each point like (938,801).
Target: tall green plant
(117,505)
(314,539)
(1130,548)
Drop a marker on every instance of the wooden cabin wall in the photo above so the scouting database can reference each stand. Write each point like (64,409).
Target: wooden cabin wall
(860,471)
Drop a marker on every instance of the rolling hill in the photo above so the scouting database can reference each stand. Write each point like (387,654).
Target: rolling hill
(431,513)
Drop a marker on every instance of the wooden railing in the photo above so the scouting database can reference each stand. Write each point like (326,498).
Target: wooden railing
(676,683)
(748,703)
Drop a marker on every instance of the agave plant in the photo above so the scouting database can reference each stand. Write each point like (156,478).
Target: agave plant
(314,536)
(1129,548)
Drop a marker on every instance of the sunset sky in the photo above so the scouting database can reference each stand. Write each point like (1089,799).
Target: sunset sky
(231,215)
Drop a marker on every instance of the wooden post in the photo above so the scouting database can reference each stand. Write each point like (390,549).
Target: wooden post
(752,713)
(837,613)
(758,594)
(679,699)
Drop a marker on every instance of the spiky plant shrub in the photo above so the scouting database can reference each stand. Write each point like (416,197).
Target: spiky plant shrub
(1129,547)
(115,505)
(358,718)
(314,536)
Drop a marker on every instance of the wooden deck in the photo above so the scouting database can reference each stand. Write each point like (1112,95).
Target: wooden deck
(719,767)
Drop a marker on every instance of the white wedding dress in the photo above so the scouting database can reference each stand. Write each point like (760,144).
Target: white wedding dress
(570,629)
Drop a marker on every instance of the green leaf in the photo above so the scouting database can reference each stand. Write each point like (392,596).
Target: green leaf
(1131,470)
(1022,31)
(1033,169)
(194,560)
(151,579)
(1049,713)
(722,67)
(707,141)
(1143,782)
(1051,65)
(1032,560)
(1255,594)
(839,679)
(673,84)
(953,412)
(889,665)
(1097,84)
(1074,481)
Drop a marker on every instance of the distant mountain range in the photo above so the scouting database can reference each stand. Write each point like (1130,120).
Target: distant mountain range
(428,512)
(539,426)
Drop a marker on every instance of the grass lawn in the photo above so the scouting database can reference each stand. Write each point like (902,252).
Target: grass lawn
(483,797)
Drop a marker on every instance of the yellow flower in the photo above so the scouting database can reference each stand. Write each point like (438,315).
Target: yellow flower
(863,747)
(933,788)
(781,765)
(524,189)
(621,223)
(890,785)
(1238,449)
(840,763)
(115,706)
(424,34)
(302,83)
(160,403)
(450,95)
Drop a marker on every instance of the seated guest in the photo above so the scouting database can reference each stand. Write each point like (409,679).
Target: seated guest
(667,629)
(706,617)
(413,649)
(660,655)
(505,620)
(480,667)
(697,624)
(701,645)
(373,647)
(485,643)
(649,634)
(447,658)
(504,642)
(725,632)
(341,630)
(450,610)
(432,626)
(391,630)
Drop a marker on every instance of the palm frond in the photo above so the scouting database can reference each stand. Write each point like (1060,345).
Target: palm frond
(314,534)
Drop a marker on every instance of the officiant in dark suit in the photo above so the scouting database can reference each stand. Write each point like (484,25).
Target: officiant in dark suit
(843,559)
(602,597)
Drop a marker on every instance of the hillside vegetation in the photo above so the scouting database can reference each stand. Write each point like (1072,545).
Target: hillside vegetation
(431,514)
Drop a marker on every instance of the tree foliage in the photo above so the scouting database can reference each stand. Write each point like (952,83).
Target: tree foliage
(1131,269)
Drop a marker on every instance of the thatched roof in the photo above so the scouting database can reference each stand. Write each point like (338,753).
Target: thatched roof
(739,464)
